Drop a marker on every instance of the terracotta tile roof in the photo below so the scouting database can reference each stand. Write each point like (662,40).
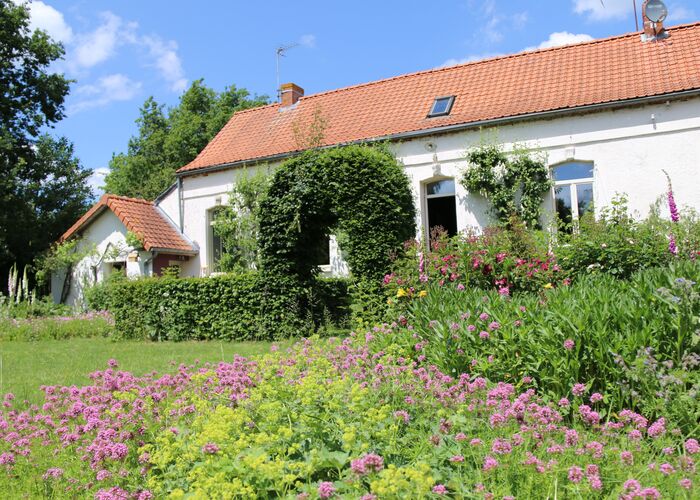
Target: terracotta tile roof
(140,217)
(597,72)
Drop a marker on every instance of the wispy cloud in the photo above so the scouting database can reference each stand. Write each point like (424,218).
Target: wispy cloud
(597,10)
(559,38)
(110,88)
(308,41)
(87,50)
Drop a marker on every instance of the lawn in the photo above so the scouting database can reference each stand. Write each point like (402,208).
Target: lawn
(25,366)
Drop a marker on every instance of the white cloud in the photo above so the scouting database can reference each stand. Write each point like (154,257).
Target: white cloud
(97,179)
(678,13)
(110,88)
(166,60)
(308,41)
(603,10)
(468,59)
(100,45)
(559,38)
(47,18)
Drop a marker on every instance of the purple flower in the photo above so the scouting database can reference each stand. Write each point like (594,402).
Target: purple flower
(210,448)
(578,389)
(490,463)
(52,473)
(440,489)
(675,217)
(569,344)
(596,397)
(672,247)
(691,447)
(326,489)
(575,474)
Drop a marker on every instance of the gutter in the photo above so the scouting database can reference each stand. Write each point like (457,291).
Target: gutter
(455,128)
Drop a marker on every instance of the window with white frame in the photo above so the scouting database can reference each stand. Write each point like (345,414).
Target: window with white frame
(573,191)
(441,206)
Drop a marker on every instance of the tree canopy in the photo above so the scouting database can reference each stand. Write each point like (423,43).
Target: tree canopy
(168,141)
(43,187)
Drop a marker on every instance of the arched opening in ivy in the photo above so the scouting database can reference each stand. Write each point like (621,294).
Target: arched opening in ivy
(359,193)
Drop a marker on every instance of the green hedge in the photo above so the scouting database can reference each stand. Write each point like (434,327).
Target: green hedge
(230,307)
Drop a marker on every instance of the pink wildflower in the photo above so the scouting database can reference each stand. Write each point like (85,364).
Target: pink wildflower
(457,459)
(460,436)
(326,489)
(627,458)
(569,344)
(440,489)
(692,447)
(596,397)
(52,473)
(575,474)
(490,463)
(685,483)
(657,429)
(578,389)
(210,448)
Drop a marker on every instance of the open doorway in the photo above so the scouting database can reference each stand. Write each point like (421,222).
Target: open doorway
(441,206)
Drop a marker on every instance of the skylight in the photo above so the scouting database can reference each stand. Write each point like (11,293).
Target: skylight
(442,106)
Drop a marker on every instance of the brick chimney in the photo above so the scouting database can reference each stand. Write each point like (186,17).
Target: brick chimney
(290,94)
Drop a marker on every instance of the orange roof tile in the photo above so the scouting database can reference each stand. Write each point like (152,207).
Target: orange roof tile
(140,217)
(597,72)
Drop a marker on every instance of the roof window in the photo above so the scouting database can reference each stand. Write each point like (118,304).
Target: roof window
(441,106)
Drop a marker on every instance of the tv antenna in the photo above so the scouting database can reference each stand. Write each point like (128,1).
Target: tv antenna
(280,52)
(634,8)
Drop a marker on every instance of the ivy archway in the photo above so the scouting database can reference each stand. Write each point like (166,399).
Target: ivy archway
(359,192)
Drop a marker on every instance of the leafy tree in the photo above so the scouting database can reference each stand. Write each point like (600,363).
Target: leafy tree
(238,223)
(165,143)
(43,187)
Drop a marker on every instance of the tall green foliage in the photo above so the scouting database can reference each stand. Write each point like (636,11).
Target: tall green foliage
(169,140)
(360,191)
(43,187)
(238,223)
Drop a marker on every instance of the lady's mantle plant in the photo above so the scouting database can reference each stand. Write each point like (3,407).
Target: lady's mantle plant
(513,183)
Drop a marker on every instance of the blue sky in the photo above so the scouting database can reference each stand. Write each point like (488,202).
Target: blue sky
(121,52)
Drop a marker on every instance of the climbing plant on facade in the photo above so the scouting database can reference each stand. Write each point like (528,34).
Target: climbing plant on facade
(360,191)
(512,183)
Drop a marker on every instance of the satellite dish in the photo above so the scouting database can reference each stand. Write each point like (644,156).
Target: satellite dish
(655,11)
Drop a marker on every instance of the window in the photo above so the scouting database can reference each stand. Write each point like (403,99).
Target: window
(216,247)
(573,191)
(441,206)
(441,106)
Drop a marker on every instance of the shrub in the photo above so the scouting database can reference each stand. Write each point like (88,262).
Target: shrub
(229,307)
(507,260)
(592,332)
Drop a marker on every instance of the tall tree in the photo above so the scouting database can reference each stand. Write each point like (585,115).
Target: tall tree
(165,143)
(43,188)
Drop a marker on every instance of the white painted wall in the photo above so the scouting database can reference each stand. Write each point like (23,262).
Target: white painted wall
(629,147)
(107,236)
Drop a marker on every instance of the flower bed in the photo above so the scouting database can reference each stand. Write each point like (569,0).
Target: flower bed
(352,418)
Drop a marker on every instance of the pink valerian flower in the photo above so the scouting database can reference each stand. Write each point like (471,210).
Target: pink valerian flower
(7,458)
(456,459)
(666,469)
(571,437)
(366,464)
(490,463)
(501,447)
(657,429)
(578,389)
(569,344)
(484,335)
(52,473)
(685,483)
(692,447)
(210,448)
(563,402)
(627,458)
(460,436)
(634,435)
(114,493)
(103,474)
(440,489)
(326,489)
(575,474)
(475,442)
(596,397)
(402,415)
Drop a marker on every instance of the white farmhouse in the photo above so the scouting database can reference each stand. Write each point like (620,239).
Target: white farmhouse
(608,114)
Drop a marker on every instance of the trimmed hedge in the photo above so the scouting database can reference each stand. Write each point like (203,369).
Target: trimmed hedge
(230,307)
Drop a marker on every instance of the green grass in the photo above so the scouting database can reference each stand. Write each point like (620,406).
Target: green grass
(25,366)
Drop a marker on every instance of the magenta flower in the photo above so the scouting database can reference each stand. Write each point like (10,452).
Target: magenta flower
(490,463)
(596,397)
(52,473)
(326,489)
(673,209)
(691,447)
(578,389)
(672,247)
(440,489)
(569,344)
(657,429)
(457,459)
(685,483)
(575,474)
(210,448)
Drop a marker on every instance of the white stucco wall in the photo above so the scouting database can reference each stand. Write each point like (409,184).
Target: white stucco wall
(107,236)
(628,147)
